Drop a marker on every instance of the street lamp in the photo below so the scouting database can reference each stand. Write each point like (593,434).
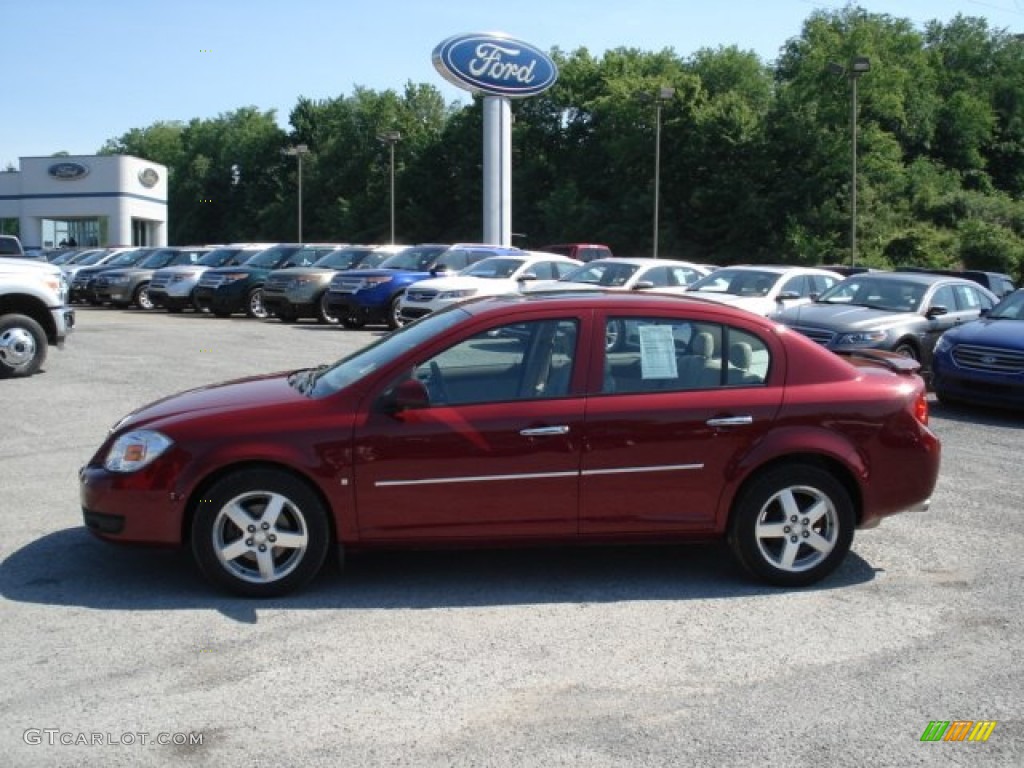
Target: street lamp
(391,138)
(664,94)
(858,66)
(298,151)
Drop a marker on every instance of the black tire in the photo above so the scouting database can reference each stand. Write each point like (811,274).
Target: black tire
(323,311)
(141,297)
(254,304)
(22,346)
(792,525)
(246,556)
(394,319)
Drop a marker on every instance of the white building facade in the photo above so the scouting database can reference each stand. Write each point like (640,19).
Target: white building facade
(85,200)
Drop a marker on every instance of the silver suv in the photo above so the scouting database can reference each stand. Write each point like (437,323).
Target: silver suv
(173,287)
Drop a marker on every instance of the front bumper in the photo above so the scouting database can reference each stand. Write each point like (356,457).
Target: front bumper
(348,305)
(228,298)
(119,507)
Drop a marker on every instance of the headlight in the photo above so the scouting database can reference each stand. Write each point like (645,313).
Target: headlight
(944,344)
(136,449)
(298,282)
(119,280)
(179,278)
(459,294)
(865,337)
(370,282)
(232,276)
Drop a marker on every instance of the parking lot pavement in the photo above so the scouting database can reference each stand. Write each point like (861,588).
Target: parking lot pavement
(590,657)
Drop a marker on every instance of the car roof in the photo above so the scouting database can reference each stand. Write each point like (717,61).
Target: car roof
(922,278)
(619,301)
(645,261)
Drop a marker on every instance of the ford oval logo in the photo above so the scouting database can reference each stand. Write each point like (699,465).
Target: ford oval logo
(68,171)
(148,177)
(495,64)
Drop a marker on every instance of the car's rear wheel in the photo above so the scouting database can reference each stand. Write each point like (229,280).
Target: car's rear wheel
(254,304)
(260,533)
(323,311)
(141,297)
(22,346)
(792,525)
(395,319)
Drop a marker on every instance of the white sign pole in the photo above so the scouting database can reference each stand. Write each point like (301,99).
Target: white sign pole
(497,170)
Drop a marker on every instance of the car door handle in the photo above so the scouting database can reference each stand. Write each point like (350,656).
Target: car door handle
(730,421)
(544,431)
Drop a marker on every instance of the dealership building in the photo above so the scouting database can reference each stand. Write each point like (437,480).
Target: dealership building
(85,200)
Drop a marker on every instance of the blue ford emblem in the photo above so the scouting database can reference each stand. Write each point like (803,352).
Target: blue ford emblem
(68,171)
(495,64)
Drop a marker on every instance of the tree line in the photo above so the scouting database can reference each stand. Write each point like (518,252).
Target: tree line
(755,159)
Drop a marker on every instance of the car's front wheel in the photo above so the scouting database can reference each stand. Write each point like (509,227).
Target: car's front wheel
(260,533)
(254,304)
(22,346)
(395,319)
(792,525)
(141,297)
(323,311)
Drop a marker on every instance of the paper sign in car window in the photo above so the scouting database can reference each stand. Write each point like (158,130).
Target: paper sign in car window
(657,352)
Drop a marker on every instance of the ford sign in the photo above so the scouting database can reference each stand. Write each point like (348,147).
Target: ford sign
(148,177)
(495,64)
(68,171)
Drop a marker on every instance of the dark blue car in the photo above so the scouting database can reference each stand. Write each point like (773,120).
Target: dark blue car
(362,296)
(982,361)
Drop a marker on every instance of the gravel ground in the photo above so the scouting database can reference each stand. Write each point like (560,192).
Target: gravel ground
(594,657)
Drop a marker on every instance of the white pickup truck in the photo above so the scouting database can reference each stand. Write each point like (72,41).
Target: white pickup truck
(33,314)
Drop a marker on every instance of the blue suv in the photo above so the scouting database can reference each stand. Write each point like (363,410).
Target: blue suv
(362,296)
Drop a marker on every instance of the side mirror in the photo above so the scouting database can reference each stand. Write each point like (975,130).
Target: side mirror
(643,285)
(410,394)
(788,296)
(526,277)
(937,311)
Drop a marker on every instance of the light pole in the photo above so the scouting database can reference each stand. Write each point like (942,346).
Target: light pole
(858,66)
(298,151)
(664,94)
(391,138)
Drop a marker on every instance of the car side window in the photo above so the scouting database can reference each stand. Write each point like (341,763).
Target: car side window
(659,354)
(796,284)
(659,276)
(944,297)
(522,361)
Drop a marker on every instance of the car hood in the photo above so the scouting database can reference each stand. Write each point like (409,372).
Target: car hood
(188,269)
(1007,334)
(240,269)
(304,271)
(130,271)
(383,273)
(759,304)
(247,394)
(21,266)
(455,283)
(843,317)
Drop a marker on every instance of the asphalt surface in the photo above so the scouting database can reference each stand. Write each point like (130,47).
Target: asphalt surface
(662,656)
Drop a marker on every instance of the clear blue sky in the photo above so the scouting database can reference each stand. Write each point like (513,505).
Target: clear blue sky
(78,72)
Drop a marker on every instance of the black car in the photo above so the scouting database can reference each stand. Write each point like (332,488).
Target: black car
(999,283)
(903,312)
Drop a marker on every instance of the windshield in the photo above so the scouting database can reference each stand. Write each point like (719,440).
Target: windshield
(605,273)
(346,258)
(219,257)
(739,282)
(416,258)
(91,258)
(379,354)
(494,269)
(127,258)
(271,257)
(876,293)
(1010,308)
(157,259)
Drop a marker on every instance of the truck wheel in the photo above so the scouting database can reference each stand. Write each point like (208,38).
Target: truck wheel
(254,304)
(395,319)
(22,346)
(323,311)
(141,298)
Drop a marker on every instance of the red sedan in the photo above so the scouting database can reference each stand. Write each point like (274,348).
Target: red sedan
(505,421)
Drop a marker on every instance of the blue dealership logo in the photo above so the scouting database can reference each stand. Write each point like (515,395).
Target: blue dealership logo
(495,64)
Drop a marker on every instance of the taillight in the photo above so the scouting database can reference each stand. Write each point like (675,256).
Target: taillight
(921,408)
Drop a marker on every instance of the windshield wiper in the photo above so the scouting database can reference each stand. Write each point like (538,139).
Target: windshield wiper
(305,379)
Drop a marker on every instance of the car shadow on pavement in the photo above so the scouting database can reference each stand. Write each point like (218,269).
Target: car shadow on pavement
(72,568)
(977,414)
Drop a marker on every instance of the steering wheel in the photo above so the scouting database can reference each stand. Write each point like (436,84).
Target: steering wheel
(435,384)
